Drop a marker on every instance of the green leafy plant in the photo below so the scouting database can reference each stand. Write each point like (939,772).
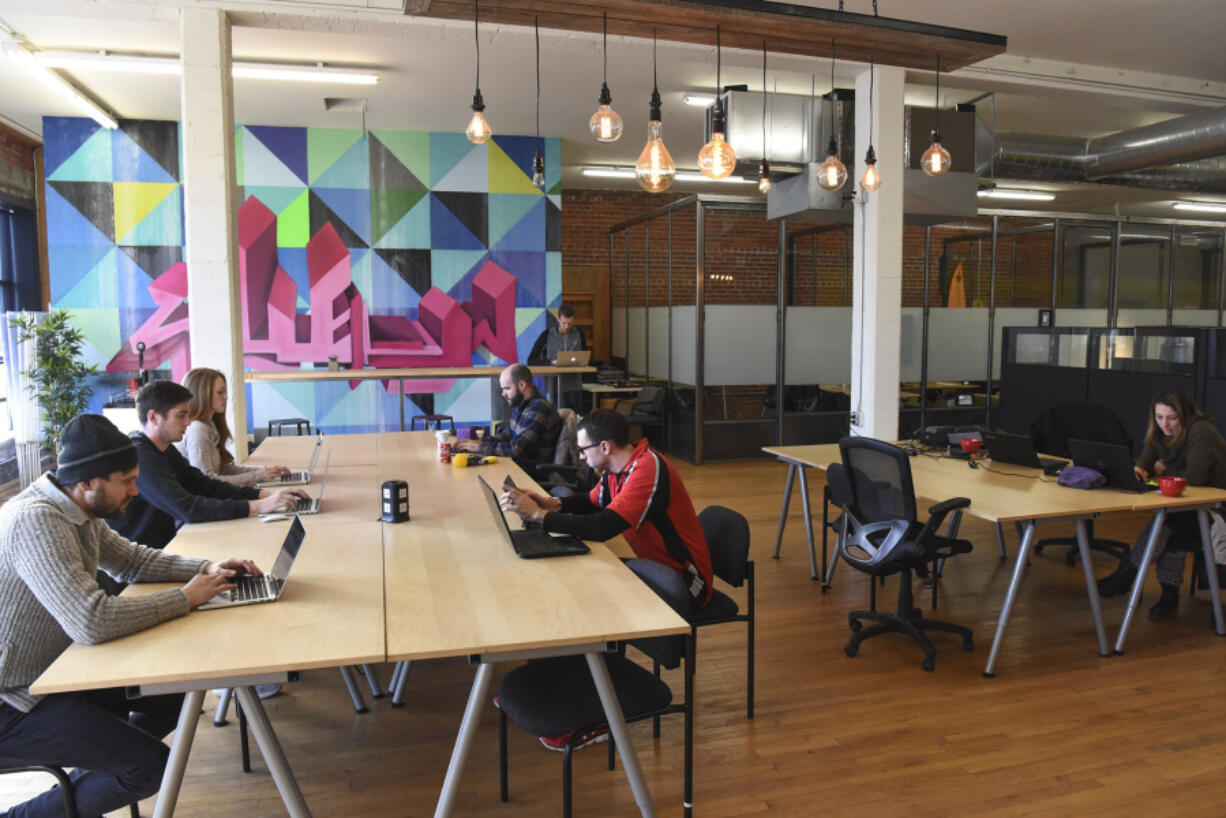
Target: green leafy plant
(57,374)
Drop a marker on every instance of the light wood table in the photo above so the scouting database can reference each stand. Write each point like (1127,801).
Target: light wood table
(553,373)
(329,615)
(455,588)
(998,495)
(295,451)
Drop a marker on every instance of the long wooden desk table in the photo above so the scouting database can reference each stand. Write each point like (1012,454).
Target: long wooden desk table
(1002,493)
(447,585)
(552,373)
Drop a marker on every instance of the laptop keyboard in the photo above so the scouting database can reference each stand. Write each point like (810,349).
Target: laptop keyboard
(305,504)
(539,543)
(253,588)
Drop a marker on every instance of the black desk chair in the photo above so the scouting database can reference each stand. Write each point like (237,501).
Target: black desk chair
(884,536)
(553,697)
(647,407)
(1079,421)
(64,782)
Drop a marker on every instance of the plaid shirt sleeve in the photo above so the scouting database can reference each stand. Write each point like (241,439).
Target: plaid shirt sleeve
(528,426)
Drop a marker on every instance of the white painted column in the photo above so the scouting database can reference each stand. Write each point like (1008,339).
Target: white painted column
(206,133)
(877,299)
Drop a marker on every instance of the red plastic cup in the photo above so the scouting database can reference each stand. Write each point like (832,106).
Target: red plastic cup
(1172,486)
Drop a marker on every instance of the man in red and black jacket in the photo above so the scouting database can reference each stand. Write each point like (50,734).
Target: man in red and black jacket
(640,495)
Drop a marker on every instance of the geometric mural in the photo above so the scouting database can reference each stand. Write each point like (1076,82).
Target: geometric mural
(384,248)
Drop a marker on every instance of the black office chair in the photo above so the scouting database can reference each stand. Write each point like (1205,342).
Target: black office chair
(1051,434)
(553,697)
(64,782)
(647,407)
(727,535)
(883,536)
(567,474)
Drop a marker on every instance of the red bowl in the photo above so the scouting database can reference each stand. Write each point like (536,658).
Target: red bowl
(970,444)
(1172,486)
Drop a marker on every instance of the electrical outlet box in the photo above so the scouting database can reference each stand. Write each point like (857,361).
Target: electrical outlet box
(853,418)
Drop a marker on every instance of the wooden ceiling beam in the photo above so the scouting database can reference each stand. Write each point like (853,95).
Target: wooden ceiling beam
(787,28)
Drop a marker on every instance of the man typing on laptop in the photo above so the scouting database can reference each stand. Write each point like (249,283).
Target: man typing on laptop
(52,541)
(531,435)
(564,337)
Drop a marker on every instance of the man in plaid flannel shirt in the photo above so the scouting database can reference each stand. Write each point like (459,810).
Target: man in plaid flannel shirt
(531,435)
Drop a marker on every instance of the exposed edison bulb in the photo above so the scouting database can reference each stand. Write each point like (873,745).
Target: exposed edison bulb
(832,174)
(606,125)
(655,170)
(538,171)
(478,130)
(764,177)
(936,159)
(871,180)
(716,160)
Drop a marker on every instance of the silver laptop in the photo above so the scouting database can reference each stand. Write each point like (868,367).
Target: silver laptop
(573,357)
(311,505)
(296,478)
(531,543)
(267,588)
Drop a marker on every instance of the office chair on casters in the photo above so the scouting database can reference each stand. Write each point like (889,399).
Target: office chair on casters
(556,696)
(65,784)
(646,408)
(883,536)
(1079,421)
(567,474)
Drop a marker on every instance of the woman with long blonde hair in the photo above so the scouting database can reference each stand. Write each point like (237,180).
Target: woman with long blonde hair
(204,442)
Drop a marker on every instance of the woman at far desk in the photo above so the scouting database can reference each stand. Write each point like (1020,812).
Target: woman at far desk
(204,442)
(1180,442)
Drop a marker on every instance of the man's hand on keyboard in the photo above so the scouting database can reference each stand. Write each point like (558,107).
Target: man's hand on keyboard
(274,500)
(204,587)
(232,567)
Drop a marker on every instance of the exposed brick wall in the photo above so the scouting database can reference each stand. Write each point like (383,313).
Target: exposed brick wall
(16,150)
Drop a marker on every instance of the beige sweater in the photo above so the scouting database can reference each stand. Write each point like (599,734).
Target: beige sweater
(50,551)
(199,446)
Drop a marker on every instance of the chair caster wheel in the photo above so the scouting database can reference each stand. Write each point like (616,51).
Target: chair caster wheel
(1070,559)
(855,625)
(851,650)
(968,644)
(917,613)
(929,663)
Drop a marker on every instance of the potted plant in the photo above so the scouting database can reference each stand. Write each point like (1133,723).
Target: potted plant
(57,374)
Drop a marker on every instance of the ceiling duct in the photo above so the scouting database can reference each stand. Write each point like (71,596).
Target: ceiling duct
(1186,154)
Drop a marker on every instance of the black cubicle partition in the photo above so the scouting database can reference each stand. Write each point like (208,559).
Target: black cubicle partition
(1215,378)
(1041,367)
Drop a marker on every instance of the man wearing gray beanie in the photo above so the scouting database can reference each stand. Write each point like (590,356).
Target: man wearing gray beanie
(52,542)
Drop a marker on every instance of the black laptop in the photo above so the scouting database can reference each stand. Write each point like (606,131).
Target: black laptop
(1018,450)
(1112,460)
(531,543)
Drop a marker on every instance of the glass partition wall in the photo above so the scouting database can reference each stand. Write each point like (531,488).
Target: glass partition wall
(776,297)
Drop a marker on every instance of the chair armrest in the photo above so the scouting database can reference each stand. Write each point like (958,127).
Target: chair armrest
(937,514)
(623,404)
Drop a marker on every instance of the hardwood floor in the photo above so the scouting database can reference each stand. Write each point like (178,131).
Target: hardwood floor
(1060,731)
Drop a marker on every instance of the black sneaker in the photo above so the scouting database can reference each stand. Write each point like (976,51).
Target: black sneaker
(1166,606)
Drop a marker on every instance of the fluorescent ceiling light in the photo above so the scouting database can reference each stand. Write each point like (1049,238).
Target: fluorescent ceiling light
(1013,193)
(1201,207)
(19,53)
(137,64)
(682,175)
(701,100)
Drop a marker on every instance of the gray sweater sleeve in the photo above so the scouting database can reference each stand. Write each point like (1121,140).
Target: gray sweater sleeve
(199,446)
(131,562)
(50,565)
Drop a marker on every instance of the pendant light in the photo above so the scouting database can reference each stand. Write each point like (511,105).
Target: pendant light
(936,160)
(832,174)
(871,179)
(655,170)
(605,124)
(478,130)
(717,160)
(764,168)
(538,163)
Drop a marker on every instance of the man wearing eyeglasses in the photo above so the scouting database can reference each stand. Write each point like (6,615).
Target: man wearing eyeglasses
(640,495)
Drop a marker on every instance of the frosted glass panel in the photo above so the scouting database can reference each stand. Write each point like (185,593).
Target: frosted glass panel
(683,345)
(740,341)
(1141,318)
(911,344)
(1008,317)
(818,345)
(638,354)
(619,332)
(1081,318)
(1195,318)
(957,343)
(658,353)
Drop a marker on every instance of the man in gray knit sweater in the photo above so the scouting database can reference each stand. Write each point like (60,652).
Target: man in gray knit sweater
(52,542)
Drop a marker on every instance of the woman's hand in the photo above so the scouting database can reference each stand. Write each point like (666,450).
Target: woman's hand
(273,473)
(1159,467)
(1141,474)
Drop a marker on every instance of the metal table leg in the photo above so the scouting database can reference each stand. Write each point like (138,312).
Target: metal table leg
(180,748)
(617,726)
(402,400)
(804,499)
(783,514)
(468,729)
(1019,568)
(359,704)
(1134,598)
(274,757)
(1083,547)
(400,680)
(1206,541)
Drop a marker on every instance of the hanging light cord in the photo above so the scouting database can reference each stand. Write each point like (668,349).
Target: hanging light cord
(606,48)
(832,137)
(477,40)
(718,83)
(872,77)
(536,25)
(938,105)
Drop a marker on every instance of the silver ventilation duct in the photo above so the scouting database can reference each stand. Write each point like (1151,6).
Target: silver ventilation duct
(1186,154)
